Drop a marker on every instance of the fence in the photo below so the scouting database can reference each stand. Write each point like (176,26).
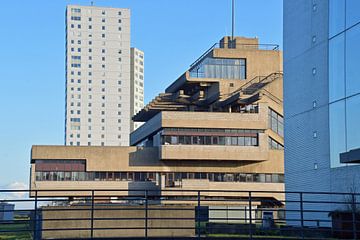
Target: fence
(177,214)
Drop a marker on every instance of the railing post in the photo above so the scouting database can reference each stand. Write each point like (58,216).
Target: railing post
(35,215)
(146,214)
(353,208)
(250,216)
(92,214)
(198,215)
(302,215)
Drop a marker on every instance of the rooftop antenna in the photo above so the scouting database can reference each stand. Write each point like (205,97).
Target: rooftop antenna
(233,20)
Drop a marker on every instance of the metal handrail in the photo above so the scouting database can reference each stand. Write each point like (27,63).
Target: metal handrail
(262,46)
(298,207)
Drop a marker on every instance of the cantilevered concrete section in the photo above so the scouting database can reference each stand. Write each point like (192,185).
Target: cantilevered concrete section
(219,126)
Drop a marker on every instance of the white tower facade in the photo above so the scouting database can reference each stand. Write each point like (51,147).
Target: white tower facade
(97,76)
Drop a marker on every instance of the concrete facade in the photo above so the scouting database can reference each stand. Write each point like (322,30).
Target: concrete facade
(219,126)
(97,76)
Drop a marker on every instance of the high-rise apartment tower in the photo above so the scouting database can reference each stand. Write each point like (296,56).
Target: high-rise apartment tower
(98,93)
(136,84)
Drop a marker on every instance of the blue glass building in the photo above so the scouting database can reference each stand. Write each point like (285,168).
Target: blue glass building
(322,98)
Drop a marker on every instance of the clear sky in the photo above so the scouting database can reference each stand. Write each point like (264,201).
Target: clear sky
(172,33)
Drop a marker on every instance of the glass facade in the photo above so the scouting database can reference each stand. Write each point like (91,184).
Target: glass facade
(344,78)
(219,68)
(210,136)
(172,179)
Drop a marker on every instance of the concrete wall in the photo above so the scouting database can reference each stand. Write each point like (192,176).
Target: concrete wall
(118,211)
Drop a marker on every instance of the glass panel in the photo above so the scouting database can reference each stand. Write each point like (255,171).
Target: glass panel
(254,141)
(227,140)
(268,178)
(352,61)
(336,68)
(247,141)
(352,12)
(202,140)
(337,132)
(234,141)
(241,141)
(196,140)
(187,139)
(174,140)
(208,140)
(336,17)
(352,122)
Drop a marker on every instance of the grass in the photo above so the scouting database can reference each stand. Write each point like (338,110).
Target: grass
(18,231)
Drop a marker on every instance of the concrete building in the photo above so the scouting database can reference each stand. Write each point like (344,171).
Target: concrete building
(219,126)
(136,84)
(98,77)
(321,100)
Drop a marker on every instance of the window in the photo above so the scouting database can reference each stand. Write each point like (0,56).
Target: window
(276,122)
(103,35)
(75,10)
(275,145)
(102,27)
(219,68)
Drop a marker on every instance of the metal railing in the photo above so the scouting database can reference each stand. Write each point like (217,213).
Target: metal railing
(178,214)
(269,47)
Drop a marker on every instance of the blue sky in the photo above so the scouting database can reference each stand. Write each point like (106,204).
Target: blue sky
(172,33)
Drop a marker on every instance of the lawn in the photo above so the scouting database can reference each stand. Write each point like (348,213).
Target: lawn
(18,229)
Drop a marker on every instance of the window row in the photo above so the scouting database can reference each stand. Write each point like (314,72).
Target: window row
(171,179)
(213,130)
(210,140)
(90,81)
